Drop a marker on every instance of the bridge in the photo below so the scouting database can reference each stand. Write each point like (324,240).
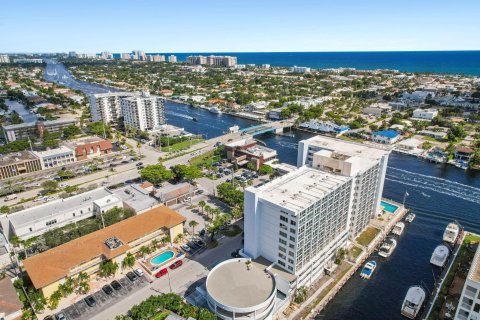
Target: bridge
(270,127)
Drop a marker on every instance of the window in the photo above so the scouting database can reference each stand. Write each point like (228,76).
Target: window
(282,241)
(49,223)
(471,291)
(30,229)
(284,218)
(283,234)
(291,246)
(281,263)
(291,254)
(281,255)
(293,223)
(292,230)
(282,249)
(476,308)
(282,226)
(291,238)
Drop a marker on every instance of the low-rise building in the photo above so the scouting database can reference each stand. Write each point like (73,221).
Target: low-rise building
(89,147)
(17,163)
(55,157)
(377,109)
(27,130)
(10,304)
(136,198)
(112,243)
(385,137)
(246,151)
(463,153)
(324,126)
(299,69)
(175,193)
(37,220)
(469,302)
(424,114)
(440,135)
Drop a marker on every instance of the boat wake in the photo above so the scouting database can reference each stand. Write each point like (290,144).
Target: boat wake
(178,115)
(435,184)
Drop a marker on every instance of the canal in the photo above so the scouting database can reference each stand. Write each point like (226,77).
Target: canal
(22,110)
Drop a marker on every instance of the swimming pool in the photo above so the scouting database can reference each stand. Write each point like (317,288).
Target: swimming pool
(162,258)
(389,207)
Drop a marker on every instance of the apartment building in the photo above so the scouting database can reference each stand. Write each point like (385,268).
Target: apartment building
(299,69)
(156,58)
(4,58)
(469,302)
(36,129)
(365,165)
(143,112)
(112,243)
(424,114)
(298,221)
(125,56)
(106,106)
(172,58)
(197,60)
(17,163)
(55,157)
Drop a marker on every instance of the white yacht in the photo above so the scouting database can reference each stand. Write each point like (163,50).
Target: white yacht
(398,228)
(410,217)
(413,302)
(451,233)
(440,256)
(215,110)
(368,269)
(387,247)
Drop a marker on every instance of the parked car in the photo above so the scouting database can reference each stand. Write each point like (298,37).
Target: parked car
(10,197)
(48,318)
(201,233)
(176,264)
(60,316)
(139,164)
(186,248)
(193,245)
(125,161)
(91,302)
(200,242)
(131,276)
(138,272)
(63,185)
(107,289)
(161,273)
(116,285)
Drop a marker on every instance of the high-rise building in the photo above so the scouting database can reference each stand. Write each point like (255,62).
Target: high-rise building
(220,61)
(72,54)
(365,165)
(106,55)
(298,221)
(172,58)
(139,55)
(143,112)
(4,58)
(155,58)
(469,302)
(106,106)
(125,56)
(197,60)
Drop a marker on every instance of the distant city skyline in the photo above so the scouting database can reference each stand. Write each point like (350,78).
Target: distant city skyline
(268,26)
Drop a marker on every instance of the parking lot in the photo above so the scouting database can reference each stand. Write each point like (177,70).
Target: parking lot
(80,310)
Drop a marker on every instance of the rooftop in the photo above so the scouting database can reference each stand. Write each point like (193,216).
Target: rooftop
(387,133)
(232,284)
(56,207)
(299,189)
(46,123)
(58,262)
(136,198)
(16,157)
(347,147)
(83,141)
(53,152)
(9,301)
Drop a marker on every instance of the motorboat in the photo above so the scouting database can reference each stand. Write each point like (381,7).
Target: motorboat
(440,256)
(398,228)
(368,269)
(413,302)
(215,110)
(410,217)
(387,247)
(451,233)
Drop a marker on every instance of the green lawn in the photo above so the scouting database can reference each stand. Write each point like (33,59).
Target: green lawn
(355,252)
(181,145)
(367,236)
(203,159)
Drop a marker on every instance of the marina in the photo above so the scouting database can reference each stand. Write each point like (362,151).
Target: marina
(440,256)
(413,302)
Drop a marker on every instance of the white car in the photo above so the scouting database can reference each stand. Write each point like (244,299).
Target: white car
(41,198)
(138,272)
(63,185)
(186,248)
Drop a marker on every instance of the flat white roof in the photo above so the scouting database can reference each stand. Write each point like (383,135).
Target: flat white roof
(53,152)
(56,207)
(108,200)
(299,189)
(347,147)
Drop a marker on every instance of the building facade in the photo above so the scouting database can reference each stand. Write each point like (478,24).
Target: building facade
(469,302)
(89,147)
(34,130)
(143,112)
(55,157)
(367,167)
(424,114)
(4,58)
(17,163)
(106,106)
(172,58)
(299,221)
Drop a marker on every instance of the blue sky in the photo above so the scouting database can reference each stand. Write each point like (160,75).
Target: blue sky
(238,26)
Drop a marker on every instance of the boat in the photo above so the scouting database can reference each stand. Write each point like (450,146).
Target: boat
(387,247)
(413,302)
(440,256)
(410,217)
(215,110)
(451,233)
(368,269)
(398,228)
(194,119)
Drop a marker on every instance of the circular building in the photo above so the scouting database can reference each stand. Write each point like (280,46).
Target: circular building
(241,289)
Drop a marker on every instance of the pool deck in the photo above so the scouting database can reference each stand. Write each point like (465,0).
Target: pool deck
(152,268)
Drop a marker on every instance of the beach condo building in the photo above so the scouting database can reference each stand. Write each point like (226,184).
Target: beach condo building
(366,166)
(297,223)
(469,302)
(50,268)
(105,107)
(172,58)
(143,112)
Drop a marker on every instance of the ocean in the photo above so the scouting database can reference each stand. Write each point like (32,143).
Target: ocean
(448,62)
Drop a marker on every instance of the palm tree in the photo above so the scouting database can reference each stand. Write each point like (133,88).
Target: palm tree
(178,238)
(54,300)
(84,287)
(208,210)
(192,224)
(139,146)
(128,261)
(144,250)
(154,244)
(82,277)
(202,204)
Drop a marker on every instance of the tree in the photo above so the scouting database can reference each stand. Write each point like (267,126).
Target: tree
(178,238)
(54,299)
(250,166)
(108,268)
(202,205)
(229,194)
(4,209)
(236,213)
(144,250)
(156,173)
(192,224)
(265,170)
(70,189)
(154,244)
(100,129)
(71,131)
(37,300)
(128,261)
(49,185)
(184,172)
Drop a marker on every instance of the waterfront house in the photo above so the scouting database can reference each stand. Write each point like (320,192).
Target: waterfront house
(385,137)
(463,153)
